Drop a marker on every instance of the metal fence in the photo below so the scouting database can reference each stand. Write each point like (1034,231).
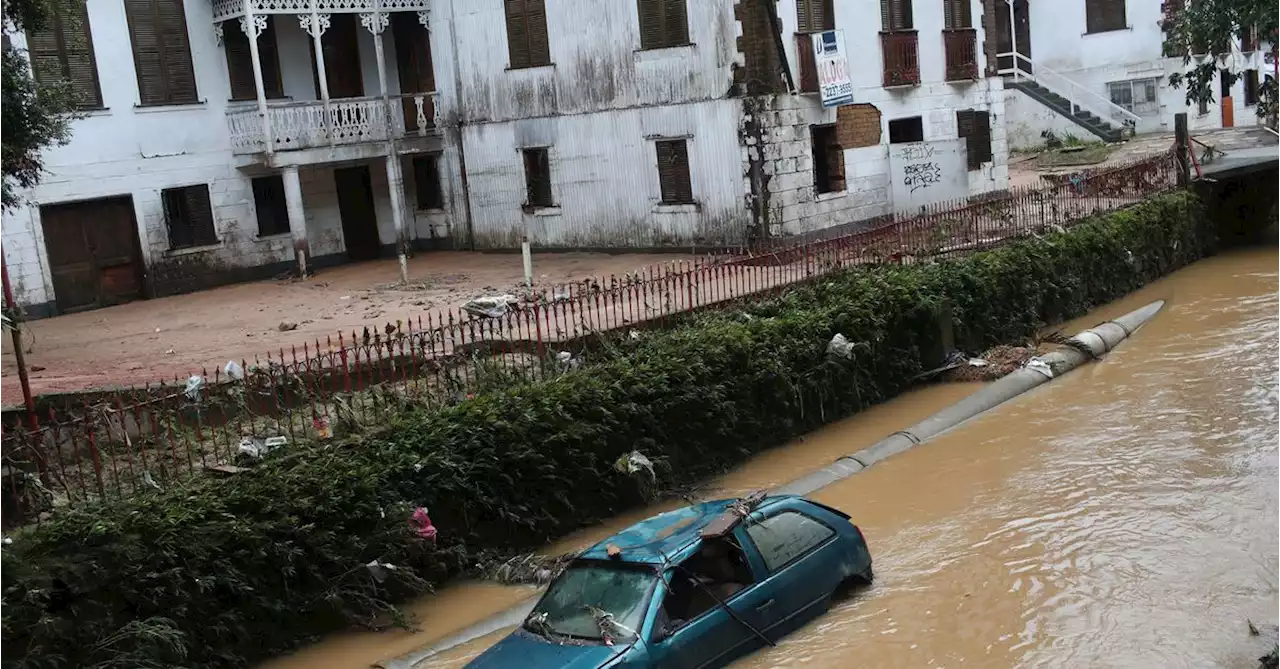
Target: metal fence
(108,444)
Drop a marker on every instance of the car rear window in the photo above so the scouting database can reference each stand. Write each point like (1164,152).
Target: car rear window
(787,536)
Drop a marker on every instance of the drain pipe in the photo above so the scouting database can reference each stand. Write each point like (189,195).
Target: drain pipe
(1088,345)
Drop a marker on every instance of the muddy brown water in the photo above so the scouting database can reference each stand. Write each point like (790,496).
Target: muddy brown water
(1123,516)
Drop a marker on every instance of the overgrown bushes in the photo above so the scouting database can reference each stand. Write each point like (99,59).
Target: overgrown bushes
(224,572)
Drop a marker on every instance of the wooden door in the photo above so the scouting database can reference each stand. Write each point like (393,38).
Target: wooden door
(1021,26)
(341,58)
(95,258)
(414,67)
(355,206)
(1228,103)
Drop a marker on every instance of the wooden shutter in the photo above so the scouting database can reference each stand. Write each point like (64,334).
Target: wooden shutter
(895,15)
(413,54)
(536,25)
(1104,15)
(63,51)
(517,34)
(675,23)
(240,61)
(808,65)
(650,23)
(673,172)
(341,58)
(957,14)
(189,216)
(813,16)
(978,140)
(161,51)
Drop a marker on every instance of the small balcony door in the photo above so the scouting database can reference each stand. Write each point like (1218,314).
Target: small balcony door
(413,64)
(341,58)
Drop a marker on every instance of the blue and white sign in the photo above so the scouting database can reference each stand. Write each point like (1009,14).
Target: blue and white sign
(832,63)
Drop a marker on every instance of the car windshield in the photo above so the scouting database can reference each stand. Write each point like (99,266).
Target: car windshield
(620,590)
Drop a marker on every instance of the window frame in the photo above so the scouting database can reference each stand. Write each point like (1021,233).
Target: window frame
(1095,21)
(967,128)
(531,191)
(1134,103)
(832,535)
(279,212)
(436,188)
(665,40)
(197,241)
(273,87)
(57,27)
(804,27)
(511,16)
(907,11)
(169,99)
(889,126)
(684,178)
(1252,86)
(830,133)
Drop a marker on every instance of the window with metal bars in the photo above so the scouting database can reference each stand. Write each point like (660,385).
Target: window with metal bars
(673,171)
(1102,16)
(240,61)
(815,16)
(527,42)
(896,15)
(828,159)
(161,52)
(957,14)
(537,178)
(188,215)
(663,23)
(63,51)
(975,128)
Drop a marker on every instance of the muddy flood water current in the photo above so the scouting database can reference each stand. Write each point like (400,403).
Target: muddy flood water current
(1122,516)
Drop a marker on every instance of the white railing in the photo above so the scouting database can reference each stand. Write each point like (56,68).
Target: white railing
(229,9)
(305,125)
(1080,97)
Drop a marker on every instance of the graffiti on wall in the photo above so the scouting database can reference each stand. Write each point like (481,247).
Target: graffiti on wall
(927,172)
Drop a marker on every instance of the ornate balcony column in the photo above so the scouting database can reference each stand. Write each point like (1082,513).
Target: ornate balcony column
(376,22)
(314,24)
(252,25)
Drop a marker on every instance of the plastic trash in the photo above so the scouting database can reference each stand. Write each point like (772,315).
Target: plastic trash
(566,358)
(256,448)
(192,389)
(840,346)
(1038,365)
(422,524)
(234,371)
(150,482)
(495,306)
(379,569)
(633,462)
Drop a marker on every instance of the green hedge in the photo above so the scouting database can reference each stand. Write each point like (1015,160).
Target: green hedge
(225,572)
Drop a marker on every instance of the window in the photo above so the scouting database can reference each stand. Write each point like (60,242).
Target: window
(269,204)
(161,52)
(426,181)
(1137,96)
(240,61)
(620,589)
(815,16)
(828,160)
(902,130)
(975,128)
(663,24)
(957,14)
(189,216)
(537,178)
(673,171)
(717,572)
(895,15)
(1250,88)
(786,537)
(1102,16)
(63,51)
(527,33)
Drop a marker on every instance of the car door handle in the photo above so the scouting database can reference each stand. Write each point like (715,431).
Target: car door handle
(765,605)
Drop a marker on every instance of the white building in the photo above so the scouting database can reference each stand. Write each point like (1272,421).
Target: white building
(352,128)
(1108,57)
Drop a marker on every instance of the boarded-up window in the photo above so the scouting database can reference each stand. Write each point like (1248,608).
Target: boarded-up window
(815,16)
(537,178)
(161,52)
(957,14)
(663,23)
(1250,88)
(673,171)
(896,15)
(269,204)
(1102,16)
(240,61)
(857,125)
(63,51)
(527,33)
(426,181)
(828,160)
(188,215)
(975,129)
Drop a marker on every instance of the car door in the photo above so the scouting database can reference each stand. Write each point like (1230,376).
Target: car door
(699,642)
(801,555)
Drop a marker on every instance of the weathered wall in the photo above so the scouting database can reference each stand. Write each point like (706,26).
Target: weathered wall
(1026,119)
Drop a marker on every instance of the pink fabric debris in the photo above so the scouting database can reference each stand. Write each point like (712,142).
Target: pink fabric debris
(422,524)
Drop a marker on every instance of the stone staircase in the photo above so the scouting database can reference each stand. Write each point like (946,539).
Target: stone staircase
(1105,130)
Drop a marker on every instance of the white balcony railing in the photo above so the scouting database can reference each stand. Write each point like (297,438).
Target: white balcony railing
(224,10)
(305,125)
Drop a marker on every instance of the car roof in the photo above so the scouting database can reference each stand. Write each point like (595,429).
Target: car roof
(666,536)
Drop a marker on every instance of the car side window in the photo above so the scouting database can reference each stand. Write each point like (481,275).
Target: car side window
(787,536)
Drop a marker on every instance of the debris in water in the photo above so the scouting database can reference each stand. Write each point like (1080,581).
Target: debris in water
(995,363)
(633,462)
(1038,365)
(422,524)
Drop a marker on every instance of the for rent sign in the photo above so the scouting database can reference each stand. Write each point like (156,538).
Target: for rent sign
(832,63)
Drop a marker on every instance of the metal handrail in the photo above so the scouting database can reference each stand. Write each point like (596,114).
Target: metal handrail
(1129,116)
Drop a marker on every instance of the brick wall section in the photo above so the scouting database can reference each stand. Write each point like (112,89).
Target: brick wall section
(761,71)
(989,31)
(857,126)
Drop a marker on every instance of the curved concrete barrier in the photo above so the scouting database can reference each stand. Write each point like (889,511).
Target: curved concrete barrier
(1088,345)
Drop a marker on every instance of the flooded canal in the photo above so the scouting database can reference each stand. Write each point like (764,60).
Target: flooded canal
(1123,516)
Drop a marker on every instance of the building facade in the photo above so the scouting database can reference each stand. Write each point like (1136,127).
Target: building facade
(236,139)
(1109,57)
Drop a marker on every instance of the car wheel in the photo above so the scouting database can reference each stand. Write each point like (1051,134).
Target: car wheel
(866,576)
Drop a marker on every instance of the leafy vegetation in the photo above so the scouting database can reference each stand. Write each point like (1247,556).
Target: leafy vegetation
(228,571)
(1206,34)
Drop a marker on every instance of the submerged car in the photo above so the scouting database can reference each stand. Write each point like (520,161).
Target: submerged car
(694,587)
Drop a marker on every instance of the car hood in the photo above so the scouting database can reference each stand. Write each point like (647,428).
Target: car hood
(528,651)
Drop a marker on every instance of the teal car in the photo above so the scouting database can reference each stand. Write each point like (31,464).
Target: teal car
(695,587)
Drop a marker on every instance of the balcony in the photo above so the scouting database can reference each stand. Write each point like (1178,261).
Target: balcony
(224,10)
(961,47)
(346,121)
(901,53)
